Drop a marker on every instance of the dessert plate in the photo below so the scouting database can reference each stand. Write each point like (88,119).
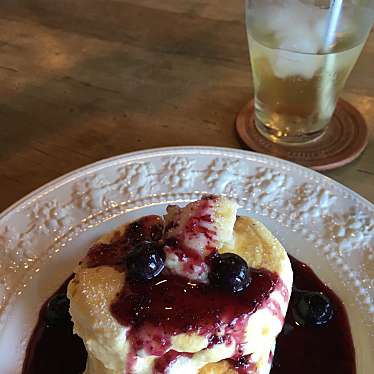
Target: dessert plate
(318,221)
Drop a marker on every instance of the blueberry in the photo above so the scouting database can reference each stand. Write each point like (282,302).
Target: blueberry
(145,261)
(311,308)
(229,272)
(57,312)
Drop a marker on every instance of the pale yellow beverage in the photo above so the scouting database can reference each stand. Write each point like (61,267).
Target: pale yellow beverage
(296,93)
(302,52)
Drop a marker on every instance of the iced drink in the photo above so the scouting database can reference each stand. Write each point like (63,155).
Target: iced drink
(297,77)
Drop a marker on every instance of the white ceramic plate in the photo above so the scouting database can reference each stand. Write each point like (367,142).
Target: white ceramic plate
(319,221)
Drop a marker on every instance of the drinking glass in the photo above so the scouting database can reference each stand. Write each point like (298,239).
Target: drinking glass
(302,52)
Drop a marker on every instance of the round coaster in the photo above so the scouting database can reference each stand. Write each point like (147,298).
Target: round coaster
(344,139)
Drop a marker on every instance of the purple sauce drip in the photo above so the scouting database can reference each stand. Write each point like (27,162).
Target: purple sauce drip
(171,305)
(322,349)
(148,228)
(54,349)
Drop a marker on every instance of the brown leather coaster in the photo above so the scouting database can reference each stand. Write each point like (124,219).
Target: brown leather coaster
(344,139)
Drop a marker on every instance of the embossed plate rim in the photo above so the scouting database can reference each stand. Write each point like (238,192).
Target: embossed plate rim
(164,151)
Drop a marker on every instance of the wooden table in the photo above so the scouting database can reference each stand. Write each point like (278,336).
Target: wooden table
(89,79)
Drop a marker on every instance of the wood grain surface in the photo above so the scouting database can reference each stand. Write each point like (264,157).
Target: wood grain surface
(89,79)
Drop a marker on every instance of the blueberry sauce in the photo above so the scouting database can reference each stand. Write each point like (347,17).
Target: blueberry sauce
(175,303)
(145,229)
(169,304)
(314,349)
(54,349)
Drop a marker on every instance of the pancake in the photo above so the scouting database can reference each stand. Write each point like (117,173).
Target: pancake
(109,342)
